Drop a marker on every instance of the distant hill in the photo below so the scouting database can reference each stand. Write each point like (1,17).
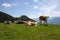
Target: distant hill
(25,18)
(54,20)
(5,16)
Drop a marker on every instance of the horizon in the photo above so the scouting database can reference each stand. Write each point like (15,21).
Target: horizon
(31,8)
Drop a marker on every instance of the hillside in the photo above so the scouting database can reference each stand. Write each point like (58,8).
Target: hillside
(25,18)
(5,16)
(23,32)
(54,20)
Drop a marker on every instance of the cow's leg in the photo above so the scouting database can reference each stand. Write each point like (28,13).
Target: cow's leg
(46,22)
(40,21)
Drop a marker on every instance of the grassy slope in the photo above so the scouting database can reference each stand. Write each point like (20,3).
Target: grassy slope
(22,32)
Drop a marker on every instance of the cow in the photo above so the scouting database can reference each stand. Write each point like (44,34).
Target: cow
(15,22)
(19,22)
(31,23)
(43,19)
(7,22)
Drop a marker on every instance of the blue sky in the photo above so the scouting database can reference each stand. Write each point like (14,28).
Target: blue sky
(31,8)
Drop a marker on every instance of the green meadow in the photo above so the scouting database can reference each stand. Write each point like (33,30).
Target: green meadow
(23,32)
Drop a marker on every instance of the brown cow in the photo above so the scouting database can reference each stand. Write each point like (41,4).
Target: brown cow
(43,19)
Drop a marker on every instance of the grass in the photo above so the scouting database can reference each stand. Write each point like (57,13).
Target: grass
(23,32)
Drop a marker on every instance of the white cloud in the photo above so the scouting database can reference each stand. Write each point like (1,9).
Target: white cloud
(6,5)
(49,11)
(54,14)
(47,7)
